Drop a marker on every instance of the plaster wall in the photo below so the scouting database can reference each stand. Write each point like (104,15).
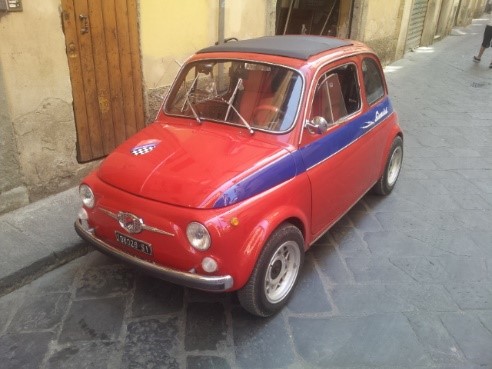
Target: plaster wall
(406,10)
(430,23)
(467,10)
(13,193)
(172,31)
(447,17)
(37,120)
(344,18)
(479,8)
(379,26)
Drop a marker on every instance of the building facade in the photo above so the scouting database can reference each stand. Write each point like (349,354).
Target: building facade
(77,77)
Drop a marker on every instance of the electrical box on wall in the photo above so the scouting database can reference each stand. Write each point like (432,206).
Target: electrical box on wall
(10,5)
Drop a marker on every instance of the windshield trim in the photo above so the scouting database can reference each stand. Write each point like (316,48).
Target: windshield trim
(298,109)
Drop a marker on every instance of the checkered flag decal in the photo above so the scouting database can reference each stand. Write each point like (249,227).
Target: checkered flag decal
(144,149)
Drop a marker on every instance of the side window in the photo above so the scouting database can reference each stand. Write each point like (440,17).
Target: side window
(337,94)
(373,81)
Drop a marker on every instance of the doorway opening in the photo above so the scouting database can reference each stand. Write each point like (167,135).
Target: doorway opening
(308,17)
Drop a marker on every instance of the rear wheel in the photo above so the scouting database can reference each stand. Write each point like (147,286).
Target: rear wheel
(276,272)
(387,182)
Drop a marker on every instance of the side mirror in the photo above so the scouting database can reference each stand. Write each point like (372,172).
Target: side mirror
(318,125)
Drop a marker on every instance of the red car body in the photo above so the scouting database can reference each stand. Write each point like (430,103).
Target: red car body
(240,186)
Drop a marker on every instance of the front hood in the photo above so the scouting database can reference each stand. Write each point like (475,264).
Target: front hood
(191,166)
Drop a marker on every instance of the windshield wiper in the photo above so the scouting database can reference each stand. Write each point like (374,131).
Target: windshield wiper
(187,99)
(239,86)
(190,104)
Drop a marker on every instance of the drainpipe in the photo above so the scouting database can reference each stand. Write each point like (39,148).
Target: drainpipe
(221,20)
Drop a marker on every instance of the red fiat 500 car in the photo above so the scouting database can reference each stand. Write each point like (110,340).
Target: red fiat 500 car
(259,148)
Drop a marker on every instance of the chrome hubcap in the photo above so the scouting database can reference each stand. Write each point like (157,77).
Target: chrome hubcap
(282,271)
(394,166)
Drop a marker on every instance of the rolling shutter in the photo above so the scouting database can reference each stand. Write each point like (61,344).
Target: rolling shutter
(416,24)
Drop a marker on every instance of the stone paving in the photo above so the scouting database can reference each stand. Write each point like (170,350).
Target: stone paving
(400,282)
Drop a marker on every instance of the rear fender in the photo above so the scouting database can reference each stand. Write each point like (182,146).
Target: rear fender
(395,131)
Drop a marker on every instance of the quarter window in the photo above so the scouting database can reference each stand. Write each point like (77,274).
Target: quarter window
(337,94)
(373,81)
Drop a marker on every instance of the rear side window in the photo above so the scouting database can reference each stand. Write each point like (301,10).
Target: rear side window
(373,81)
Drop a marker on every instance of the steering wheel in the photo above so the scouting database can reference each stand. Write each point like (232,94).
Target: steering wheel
(277,113)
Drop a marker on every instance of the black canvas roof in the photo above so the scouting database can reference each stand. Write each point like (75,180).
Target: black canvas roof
(293,46)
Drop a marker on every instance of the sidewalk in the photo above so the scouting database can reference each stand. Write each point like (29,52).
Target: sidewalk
(40,237)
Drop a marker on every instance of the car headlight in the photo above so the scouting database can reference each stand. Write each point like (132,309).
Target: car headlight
(87,196)
(198,236)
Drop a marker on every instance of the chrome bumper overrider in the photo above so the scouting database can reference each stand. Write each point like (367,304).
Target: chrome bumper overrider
(211,283)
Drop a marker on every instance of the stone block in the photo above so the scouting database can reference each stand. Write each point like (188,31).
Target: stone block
(151,343)
(371,341)
(40,312)
(156,297)
(24,350)
(206,327)
(93,320)
(261,343)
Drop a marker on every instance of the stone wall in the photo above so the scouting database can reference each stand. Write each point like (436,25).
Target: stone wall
(37,129)
(46,148)
(13,193)
(378,24)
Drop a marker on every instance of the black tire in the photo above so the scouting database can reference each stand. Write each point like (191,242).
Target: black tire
(392,169)
(283,252)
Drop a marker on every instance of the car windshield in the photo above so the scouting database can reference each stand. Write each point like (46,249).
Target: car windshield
(254,95)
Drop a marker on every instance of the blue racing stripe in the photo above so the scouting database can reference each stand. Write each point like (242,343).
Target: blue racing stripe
(322,149)
(266,178)
(310,155)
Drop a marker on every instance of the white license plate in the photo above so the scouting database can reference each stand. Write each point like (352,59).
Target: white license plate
(133,243)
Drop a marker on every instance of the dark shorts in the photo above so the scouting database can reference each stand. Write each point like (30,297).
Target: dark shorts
(487,36)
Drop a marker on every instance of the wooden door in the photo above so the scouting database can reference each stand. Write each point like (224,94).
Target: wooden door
(102,43)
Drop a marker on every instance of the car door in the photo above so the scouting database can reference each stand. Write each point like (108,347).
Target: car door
(339,162)
(378,113)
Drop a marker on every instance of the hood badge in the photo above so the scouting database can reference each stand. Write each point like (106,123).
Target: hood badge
(134,222)
(144,147)
(129,222)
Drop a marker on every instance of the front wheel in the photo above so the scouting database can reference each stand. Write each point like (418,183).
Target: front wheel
(275,274)
(387,181)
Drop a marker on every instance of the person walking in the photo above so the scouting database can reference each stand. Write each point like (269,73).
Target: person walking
(487,38)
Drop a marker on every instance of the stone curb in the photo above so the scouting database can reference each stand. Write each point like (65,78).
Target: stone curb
(36,269)
(38,238)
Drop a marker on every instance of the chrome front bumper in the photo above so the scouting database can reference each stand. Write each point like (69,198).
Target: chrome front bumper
(207,283)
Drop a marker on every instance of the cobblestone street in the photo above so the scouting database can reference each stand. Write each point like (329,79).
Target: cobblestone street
(403,281)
